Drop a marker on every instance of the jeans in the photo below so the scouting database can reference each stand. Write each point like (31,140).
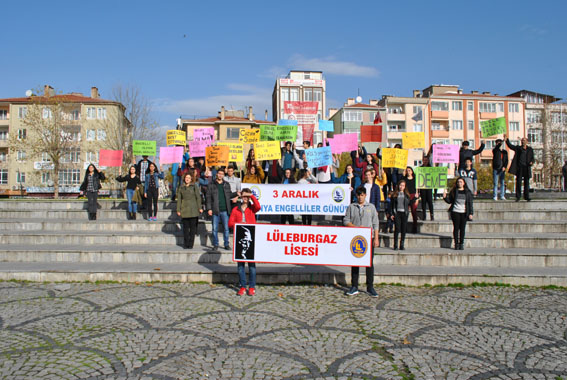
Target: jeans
(369,270)
(132,206)
(175,185)
(251,275)
(223,216)
(498,179)
(459,226)
(92,197)
(153,194)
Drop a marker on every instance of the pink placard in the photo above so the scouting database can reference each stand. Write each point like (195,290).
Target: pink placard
(170,154)
(110,158)
(346,142)
(445,153)
(204,134)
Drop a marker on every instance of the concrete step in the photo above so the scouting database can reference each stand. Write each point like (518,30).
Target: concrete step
(158,254)
(277,274)
(441,240)
(496,226)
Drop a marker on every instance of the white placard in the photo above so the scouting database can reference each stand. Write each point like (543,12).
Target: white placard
(298,244)
(321,199)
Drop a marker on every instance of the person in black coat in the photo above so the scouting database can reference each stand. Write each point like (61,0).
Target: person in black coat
(461,200)
(499,166)
(465,153)
(521,166)
(220,200)
(90,187)
(399,209)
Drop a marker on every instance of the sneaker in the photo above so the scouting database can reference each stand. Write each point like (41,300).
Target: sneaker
(371,291)
(251,291)
(353,291)
(241,291)
(215,247)
(494,199)
(502,198)
(227,247)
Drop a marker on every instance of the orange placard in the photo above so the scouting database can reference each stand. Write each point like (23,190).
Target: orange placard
(371,133)
(217,155)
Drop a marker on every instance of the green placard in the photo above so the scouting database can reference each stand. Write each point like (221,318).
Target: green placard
(143,148)
(278,132)
(430,177)
(493,127)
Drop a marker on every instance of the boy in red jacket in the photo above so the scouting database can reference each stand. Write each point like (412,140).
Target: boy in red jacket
(245,212)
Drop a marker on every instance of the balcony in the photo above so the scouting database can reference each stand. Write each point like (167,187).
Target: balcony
(439,115)
(396,117)
(488,115)
(440,133)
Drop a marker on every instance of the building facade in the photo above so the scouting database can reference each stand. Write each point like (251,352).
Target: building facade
(87,121)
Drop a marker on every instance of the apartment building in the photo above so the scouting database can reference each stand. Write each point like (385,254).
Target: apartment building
(86,119)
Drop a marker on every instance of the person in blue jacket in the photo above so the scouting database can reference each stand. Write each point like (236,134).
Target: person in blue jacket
(151,190)
(352,179)
(372,189)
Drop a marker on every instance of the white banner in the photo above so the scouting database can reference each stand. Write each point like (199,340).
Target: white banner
(298,244)
(321,199)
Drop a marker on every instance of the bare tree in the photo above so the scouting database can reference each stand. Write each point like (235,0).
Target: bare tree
(553,123)
(51,133)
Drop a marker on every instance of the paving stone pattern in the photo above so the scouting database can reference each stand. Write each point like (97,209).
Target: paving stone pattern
(198,331)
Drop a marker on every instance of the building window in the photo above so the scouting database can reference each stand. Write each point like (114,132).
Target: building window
(514,126)
(513,107)
(91,113)
(418,127)
(91,156)
(352,116)
(71,155)
(458,142)
(416,109)
(534,135)
(47,113)
(3,156)
(490,144)
(458,125)
(285,94)
(69,176)
(4,177)
(21,155)
(471,143)
(3,114)
(22,112)
(436,127)
(471,125)
(91,134)
(317,95)
(100,134)
(232,133)
(457,106)
(74,115)
(439,106)
(487,107)
(440,141)
(45,177)
(101,113)
(22,133)
(294,94)
(395,109)
(533,116)
(20,177)
(308,94)
(3,135)
(396,127)
(45,157)
(556,117)
(470,106)
(307,76)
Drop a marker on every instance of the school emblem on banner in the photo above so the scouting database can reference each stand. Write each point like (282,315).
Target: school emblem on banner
(338,194)
(256,191)
(358,246)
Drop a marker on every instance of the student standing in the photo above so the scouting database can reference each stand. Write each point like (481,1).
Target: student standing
(461,200)
(499,166)
(233,180)
(522,166)
(409,177)
(287,180)
(132,182)
(372,189)
(400,202)
(151,190)
(465,153)
(90,187)
(245,212)
(189,208)
(141,170)
(219,204)
(351,179)
(470,176)
(363,214)
(426,195)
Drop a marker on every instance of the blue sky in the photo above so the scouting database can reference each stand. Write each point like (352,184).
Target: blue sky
(191,57)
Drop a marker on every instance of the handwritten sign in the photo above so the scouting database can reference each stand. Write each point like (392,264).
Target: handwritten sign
(431,177)
(235,152)
(278,132)
(345,142)
(143,148)
(217,155)
(371,133)
(326,125)
(175,137)
(202,138)
(249,136)
(170,155)
(394,158)
(110,158)
(445,153)
(413,140)
(267,150)
(318,157)
(493,127)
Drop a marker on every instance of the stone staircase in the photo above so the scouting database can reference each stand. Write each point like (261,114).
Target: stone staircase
(508,242)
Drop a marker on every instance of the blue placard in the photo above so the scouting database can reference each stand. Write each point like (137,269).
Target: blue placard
(326,125)
(318,157)
(287,122)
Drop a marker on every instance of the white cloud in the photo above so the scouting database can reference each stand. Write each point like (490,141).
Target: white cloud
(330,65)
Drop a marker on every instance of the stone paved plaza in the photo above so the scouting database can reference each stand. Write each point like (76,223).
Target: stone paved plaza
(201,331)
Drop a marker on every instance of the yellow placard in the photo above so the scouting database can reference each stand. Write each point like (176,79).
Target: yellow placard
(413,140)
(216,155)
(236,151)
(175,137)
(394,158)
(267,150)
(249,136)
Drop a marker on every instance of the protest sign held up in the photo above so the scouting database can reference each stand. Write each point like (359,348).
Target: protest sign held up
(175,137)
(493,127)
(371,133)
(236,151)
(171,154)
(318,157)
(249,136)
(445,153)
(143,148)
(431,177)
(345,142)
(326,125)
(278,132)
(217,155)
(110,158)
(267,150)
(394,158)
(413,140)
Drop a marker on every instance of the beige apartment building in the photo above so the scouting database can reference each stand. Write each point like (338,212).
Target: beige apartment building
(87,120)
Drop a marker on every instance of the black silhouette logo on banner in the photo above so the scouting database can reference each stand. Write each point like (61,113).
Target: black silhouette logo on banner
(244,248)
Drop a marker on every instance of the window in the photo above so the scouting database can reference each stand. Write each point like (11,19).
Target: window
(513,107)
(556,117)
(285,94)
(308,94)
(100,134)
(396,127)
(45,157)
(457,141)
(471,125)
(416,109)
(470,106)
(22,133)
(317,95)
(457,106)
(418,127)
(45,177)
(490,144)
(352,116)
(500,107)
(69,176)
(4,177)
(232,133)
(22,112)
(294,94)
(440,141)
(3,156)
(21,155)
(439,106)
(101,113)
(471,143)
(91,156)
(91,134)
(538,155)
(47,113)
(514,126)
(436,127)
(91,113)
(457,125)
(3,135)
(307,76)
(74,115)
(3,114)
(71,155)
(395,109)
(534,135)
(20,177)
(533,116)
(487,107)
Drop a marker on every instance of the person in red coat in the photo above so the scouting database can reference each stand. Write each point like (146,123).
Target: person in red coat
(245,212)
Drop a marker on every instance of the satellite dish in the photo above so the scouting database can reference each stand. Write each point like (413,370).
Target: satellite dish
(359,99)
(29,93)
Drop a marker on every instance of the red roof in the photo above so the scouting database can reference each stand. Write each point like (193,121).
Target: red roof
(228,118)
(71,98)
